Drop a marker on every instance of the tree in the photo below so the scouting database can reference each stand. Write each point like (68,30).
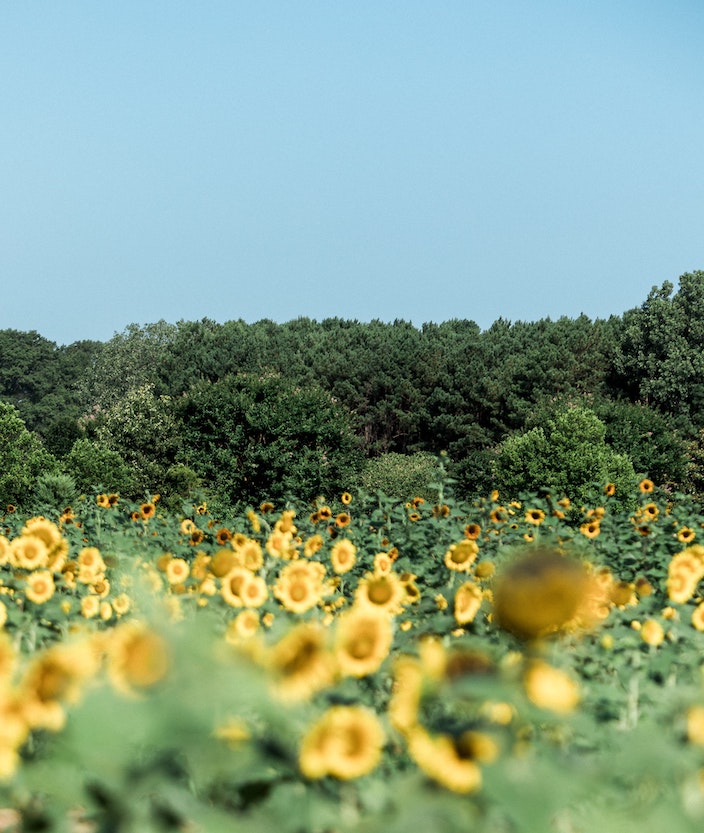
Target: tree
(569,456)
(22,458)
(252,438)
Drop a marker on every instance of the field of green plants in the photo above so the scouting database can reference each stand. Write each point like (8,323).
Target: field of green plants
(354,664)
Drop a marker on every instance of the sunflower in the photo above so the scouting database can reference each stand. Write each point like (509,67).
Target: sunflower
(266,508)
(300,663)
(324,513)
(281,544)
(314,543)
(90,564)
(539,593)
(345,742)
(461,556)
(147,510)
(177,571)
(137,657)
(535,516)
(472,531)
(121,604)
(255,592)
(484,570)
(222,536)
(646,486)
(343,556)
(346,498)
(90,606)
(40,586)
(383,563)
(250,555)
(343,519)
(498,515)
(406,692)
(550,688)
(591,529)
(103,501)
(652,632)
(29,552)
(243,626)
(468,600)
(381,592)
(651,510)
(413,517)
(686,535)
(610,489)
(446,759)
(55,677)
(298,594)
(362,642)
(233,585)
(4,550)
(698,617)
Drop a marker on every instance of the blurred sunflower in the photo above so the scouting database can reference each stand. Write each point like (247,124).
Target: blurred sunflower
(381,592)
(343,555)
(362,641)
(539,593)
(40,586)
(446,759)
(550,688)
(345,742)
(300,664)
(461,556)
(468,600)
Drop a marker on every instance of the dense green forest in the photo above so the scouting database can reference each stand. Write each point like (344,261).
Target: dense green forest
(243,412)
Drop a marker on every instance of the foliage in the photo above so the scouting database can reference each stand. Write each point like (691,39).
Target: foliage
(250,436)
(402,476)
(141,427)
(570,456)
(137,647)
(22,458)
(93,466)
(660,359)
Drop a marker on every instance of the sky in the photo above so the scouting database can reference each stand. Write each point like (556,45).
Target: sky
(422,160)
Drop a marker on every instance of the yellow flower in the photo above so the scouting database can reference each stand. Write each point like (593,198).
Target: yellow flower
(40,587)
(686,535)
(243,626)
(446,759)
(698,617)
(590,529)
(362,642)
(346,498)
(381,592)
(177,571)
(300,663)
(646,486)
(343,556)
(468,600)
(461,556)
(90,606)
(137,657)
(255,592)
(695,725)
(535,516)
(539,593)
(550,688)
(652,633)
(345,742)
(29,553)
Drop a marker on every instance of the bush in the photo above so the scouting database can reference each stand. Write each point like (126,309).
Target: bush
(402,476)
(96,468)
(569,455)
(22,458)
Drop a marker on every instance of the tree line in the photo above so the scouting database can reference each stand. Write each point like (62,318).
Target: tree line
(248,411)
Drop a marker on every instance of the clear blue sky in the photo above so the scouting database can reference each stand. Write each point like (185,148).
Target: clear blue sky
(422,160)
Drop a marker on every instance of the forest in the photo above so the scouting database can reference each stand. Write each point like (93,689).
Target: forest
(242,412)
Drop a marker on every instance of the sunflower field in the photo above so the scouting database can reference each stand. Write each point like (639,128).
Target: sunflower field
(355,664)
